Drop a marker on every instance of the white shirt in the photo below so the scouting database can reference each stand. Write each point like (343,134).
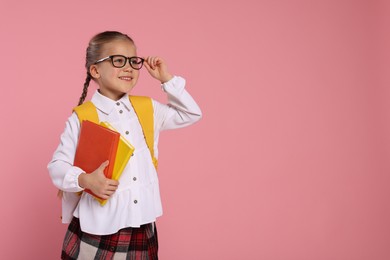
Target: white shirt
(137,200)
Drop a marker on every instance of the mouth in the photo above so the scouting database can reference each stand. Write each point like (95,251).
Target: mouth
(126,78)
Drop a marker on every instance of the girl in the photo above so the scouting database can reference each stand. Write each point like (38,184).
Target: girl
(124,228)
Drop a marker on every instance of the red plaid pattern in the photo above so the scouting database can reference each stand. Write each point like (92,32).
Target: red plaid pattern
(128,243)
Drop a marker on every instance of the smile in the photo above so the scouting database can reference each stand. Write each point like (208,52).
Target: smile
(126,78)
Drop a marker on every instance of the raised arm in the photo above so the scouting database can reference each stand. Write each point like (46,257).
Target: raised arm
(181,110)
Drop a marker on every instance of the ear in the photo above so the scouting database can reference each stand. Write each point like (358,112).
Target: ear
(93,70)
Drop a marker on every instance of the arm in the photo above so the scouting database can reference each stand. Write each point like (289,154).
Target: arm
(62,172)
(69,178)
(181,110)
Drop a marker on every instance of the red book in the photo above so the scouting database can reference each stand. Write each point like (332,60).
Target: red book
(96,145)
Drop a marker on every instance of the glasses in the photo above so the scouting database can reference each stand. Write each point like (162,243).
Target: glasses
(119,61)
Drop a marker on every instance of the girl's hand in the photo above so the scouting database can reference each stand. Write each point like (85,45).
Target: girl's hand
(157,68)
(98,183)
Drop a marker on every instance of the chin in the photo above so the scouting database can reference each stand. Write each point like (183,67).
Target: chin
(126,87)
(129,89)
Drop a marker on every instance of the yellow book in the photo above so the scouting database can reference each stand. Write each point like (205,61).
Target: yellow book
(123,154)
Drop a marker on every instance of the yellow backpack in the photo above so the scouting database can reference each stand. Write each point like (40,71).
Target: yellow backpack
(143,108)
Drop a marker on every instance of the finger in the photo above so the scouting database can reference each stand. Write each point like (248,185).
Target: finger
(149,61)
(101,193)
(109,192)
(153,62)
(147,66)
(104,165)
(112,183)
(112,188)
(152,68)
(149,69)
(157,61)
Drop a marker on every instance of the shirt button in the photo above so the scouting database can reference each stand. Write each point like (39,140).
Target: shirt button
(135,201)
(112,249)
(120,111)
(118,104)
(135,178)
(127,132)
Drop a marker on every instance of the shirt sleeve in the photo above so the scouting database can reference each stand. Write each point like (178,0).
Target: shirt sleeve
(62,172)
(181,110)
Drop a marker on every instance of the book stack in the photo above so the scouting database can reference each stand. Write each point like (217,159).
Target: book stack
(98,143)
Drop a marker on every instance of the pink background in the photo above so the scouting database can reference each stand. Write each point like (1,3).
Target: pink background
(291,160)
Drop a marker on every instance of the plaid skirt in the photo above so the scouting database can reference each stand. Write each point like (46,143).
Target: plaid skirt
(128,243)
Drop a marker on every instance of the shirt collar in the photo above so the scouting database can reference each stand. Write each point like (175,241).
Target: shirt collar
(106,105)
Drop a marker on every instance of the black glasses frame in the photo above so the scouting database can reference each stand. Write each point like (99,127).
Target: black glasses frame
(126,59)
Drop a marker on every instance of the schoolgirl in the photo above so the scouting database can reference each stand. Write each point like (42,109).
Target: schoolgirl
(124,228)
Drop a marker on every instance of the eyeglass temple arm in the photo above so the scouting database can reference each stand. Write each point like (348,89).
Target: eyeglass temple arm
(102,59)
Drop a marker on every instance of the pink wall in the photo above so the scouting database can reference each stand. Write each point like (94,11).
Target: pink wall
(291,160)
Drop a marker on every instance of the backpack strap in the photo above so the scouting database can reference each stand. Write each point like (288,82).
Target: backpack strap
(144,110)
(143,107)
(87,111)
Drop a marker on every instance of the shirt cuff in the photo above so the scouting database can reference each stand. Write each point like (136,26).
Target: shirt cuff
(71,180)
(174,86)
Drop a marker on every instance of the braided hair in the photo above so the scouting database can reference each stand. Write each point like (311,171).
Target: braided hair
(93,53)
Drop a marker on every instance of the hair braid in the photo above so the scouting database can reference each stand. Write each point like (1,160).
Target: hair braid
(85,89)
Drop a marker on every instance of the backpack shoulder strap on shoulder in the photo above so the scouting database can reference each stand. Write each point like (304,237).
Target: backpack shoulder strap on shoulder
(87,111)
(144,109)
